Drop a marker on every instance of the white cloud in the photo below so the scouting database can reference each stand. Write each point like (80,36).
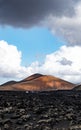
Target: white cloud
(70,70)
(66,27)
(10,63)
(10,60)
(64,63)
(53,63)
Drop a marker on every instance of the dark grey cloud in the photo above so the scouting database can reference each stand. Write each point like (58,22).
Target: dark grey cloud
(66,27)
(27,13)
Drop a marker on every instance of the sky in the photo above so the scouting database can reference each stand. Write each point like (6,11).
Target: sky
(40,37)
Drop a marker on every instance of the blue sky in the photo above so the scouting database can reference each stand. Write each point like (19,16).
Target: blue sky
(34,43)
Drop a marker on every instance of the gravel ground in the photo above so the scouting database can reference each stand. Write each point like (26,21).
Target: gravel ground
(58,110)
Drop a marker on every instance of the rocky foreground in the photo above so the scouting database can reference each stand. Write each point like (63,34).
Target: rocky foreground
(59,110)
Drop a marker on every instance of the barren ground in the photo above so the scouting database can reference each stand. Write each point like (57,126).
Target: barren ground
(58,110)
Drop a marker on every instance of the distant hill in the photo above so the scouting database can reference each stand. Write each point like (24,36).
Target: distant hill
(38,82)
(9,83)
(77,87)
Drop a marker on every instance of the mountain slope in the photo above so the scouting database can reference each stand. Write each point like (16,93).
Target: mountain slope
(32,77)
(38,82)
(78,87)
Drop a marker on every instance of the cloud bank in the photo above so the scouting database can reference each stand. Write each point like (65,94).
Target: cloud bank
(27,13)
(10,61)
(64,63)
(69,28)
(62,17)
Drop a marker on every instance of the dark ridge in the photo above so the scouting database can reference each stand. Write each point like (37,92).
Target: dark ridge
(32,77)
(9,83)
